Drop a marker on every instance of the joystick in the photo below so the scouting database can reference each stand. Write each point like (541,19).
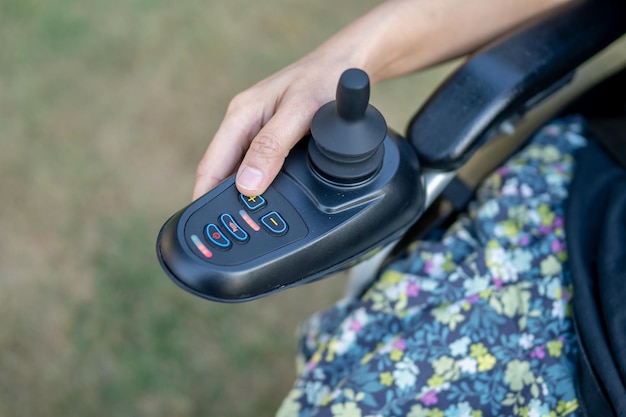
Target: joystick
(347,134)
(346,191)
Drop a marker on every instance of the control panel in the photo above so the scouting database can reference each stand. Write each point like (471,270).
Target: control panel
(345,191)
(235,228)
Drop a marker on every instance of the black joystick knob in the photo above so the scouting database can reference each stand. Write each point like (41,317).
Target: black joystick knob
(347,134)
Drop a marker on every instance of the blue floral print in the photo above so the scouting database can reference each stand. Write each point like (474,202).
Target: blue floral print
(475,323)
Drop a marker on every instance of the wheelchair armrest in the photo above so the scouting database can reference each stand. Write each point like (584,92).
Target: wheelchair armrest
(509,76)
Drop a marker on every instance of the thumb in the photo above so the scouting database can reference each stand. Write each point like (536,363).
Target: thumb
(270,147)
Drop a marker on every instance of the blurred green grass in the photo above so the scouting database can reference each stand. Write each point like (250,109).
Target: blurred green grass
(105,110)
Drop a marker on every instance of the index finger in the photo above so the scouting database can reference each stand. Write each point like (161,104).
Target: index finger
(224,152)
(272,144)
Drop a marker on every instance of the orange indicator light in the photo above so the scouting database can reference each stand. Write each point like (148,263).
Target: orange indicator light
(205,251)
(246,218)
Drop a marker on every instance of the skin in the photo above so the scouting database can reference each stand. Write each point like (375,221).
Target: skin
(397,37)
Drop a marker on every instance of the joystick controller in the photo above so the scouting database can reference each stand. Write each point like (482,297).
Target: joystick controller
(345,191)
(348,134)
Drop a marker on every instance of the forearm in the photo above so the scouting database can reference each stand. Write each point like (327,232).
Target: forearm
(401,36)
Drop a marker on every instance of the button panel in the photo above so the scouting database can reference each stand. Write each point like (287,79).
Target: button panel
(232,228)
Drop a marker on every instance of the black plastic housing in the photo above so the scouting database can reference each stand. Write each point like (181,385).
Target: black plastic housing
(509,76)
(335,225)
(343,224)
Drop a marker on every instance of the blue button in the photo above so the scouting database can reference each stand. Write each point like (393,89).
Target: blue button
(254,203)
(274,223)
(233,228)
(216,237)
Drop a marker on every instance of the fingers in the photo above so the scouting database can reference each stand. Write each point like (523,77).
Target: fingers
(271,146)
(260,127)
(226,149)
(264,153)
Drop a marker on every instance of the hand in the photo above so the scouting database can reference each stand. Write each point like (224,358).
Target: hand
(265,122)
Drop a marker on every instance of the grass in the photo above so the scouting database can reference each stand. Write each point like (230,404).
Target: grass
(105,107)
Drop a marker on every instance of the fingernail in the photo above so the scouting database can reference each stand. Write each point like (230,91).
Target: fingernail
(249,178)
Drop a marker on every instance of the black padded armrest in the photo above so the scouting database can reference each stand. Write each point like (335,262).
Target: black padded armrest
(509,76)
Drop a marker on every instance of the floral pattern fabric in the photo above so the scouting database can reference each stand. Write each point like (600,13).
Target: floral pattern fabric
(475,323)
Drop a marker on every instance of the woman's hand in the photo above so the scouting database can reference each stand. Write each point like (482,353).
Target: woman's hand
(399,36)
(264,122)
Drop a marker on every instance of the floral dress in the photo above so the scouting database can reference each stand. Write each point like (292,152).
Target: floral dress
(475,323)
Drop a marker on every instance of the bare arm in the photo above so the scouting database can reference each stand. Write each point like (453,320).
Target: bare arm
(399,36)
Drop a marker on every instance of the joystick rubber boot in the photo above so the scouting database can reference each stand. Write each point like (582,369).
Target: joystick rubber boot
(347,134)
